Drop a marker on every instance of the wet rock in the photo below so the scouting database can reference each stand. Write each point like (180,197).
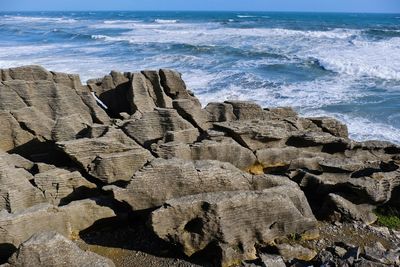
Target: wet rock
(52,249)
(213,222)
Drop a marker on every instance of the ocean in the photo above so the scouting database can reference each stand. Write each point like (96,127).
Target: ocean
(341,65)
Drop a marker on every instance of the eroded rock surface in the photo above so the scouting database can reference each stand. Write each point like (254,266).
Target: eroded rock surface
(223,181)
(50,249)
(216,221)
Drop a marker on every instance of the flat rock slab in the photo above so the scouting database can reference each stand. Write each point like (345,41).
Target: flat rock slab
(110,158)
(256,134)
(162,180)
(154,125)
(67,220)
(49,249)
(224,150)
(214,222)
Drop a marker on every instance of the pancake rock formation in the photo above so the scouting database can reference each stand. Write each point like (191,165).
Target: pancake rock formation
(227,184)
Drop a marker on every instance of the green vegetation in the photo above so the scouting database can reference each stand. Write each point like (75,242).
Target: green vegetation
(388,217)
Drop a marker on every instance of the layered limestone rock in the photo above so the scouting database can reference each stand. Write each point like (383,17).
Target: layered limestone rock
(155,125)
(215,222)
(60,185)
(224,179)
(33,101)
(50,249)
(68,220)
(223,149)
(16,191)
(162,180)
(110,158)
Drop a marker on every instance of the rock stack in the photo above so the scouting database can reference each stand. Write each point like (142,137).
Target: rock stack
(220,183)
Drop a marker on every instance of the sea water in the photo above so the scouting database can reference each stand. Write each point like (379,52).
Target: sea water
(322,64)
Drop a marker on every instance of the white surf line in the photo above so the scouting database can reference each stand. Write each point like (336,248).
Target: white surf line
(99,101)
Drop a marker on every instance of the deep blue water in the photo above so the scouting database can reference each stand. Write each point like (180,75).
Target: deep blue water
(342,65)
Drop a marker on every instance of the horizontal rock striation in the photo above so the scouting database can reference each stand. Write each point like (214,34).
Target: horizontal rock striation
(220,182)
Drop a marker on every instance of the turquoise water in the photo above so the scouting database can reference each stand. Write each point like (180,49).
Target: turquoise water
(342,65)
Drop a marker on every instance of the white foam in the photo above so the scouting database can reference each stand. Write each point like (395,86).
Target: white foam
(166,21)
(120,21)
(246,16)
(37,19)
(361,129)
(379,59)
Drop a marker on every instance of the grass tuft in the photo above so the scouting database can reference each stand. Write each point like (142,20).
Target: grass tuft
(388,217)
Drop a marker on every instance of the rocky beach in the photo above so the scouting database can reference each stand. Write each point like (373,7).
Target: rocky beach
(131,170)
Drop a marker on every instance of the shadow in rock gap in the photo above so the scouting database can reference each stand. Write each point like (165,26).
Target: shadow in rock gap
(132,233)
(6,250)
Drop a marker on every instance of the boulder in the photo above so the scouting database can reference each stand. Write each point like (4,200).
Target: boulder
(41,106)
(332,126)
(197,116)
(162,180)
(49,249)
(113,90)
(289,158)
(220,112)
(374,189)
(379,254)
(68,220)
(25,73)
(109,158)
(157,91)
(347,211)
(213,223)
(325,141)
(245,110)
(272,260)
(17,161)
(60,185)
(11,134)
(16,191)
(175,87)
(257,134)
(154,125)
(224,150)
(298,252)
